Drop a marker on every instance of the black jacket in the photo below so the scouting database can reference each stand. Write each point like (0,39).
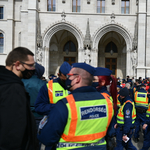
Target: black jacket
(17,124)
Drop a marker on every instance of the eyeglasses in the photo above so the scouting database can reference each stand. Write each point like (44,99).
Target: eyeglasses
(30,65)
(70,74)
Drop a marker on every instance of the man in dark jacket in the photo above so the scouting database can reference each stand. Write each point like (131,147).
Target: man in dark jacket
(33,86)
(17,124)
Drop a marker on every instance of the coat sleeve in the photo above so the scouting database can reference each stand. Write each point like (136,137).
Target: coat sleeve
(42,105)
(52,130)
(13,117)
(127,118)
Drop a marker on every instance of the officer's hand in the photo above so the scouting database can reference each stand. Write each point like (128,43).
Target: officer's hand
(144,126)
(115,126)
(124,138)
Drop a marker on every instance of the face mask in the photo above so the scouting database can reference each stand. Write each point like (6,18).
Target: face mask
(95,84)
(68,84)
(27,73)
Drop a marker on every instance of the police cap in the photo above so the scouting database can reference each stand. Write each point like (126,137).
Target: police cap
(65,68)
(100,71)
(124,92)
(84,66)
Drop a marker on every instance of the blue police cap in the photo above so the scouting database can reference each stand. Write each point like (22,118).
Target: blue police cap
(143,84)
(124,92)
(100,71)
(84,66)
(65,68)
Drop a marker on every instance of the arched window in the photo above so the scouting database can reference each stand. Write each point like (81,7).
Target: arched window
(69,47)
(1,43)
(111,47)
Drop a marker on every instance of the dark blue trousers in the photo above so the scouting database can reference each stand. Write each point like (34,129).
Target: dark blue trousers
(121,144)
(146,143)
(140,120)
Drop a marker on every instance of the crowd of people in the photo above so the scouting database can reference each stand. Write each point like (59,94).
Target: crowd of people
(82,107)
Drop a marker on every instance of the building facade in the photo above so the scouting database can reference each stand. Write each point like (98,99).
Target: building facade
(104,33)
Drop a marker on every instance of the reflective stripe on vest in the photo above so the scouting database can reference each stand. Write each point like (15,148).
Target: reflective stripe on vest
(55,92)
(87,130)
(118,102)
(148,111)
(107,96)
(141,99)
(120,116)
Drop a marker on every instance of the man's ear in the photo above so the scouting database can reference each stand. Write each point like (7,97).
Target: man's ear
(78,79)
(17,65)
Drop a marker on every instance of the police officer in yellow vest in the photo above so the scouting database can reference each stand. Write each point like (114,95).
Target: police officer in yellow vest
(79,121)
(125,121)
(141,104)
(53,91)
(146,127)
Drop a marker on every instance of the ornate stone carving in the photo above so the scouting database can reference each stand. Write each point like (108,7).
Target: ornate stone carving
(87,55)
(39,54)
(63,15)
(134,61)
(112,18)
(135,39)
(87,44)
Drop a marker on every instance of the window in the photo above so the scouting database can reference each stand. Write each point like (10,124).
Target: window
(70,60)
(70,46)
(76,6)
(1,12)
(1,43)
(100,6)
(111,46)
(51,5)
(125,6)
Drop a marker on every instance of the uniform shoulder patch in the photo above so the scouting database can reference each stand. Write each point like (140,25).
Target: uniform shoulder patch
(127,112)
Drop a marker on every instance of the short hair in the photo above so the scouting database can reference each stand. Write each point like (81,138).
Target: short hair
(127,85)
(86,76)
(18,54)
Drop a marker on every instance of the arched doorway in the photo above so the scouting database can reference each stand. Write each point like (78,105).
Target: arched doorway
(63,47)
(123,40)
(112,53)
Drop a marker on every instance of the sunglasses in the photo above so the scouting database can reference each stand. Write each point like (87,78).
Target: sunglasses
(70,74)
(30,65)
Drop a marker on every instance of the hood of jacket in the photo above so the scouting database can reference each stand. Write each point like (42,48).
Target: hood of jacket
(7,76)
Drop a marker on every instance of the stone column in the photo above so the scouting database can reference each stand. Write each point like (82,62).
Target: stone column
(80,55)
(128,63)
(142,20)
(10,26)
(46,61)
(94,58)
(32,24)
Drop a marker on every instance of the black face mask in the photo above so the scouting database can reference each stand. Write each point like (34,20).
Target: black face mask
(95,84)
(68,84)
(27,73)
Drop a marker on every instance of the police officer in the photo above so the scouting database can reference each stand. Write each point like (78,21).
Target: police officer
(53,91)
(141,104)
(80,121)
(125,121)
(146,127)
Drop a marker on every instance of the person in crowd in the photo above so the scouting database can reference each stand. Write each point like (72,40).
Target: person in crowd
(125,121)
(105,79)
(128,86)
(146,127)
(136,86)
(80,121)
(52,92)
(141,103)
(17,124)
(33,86)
